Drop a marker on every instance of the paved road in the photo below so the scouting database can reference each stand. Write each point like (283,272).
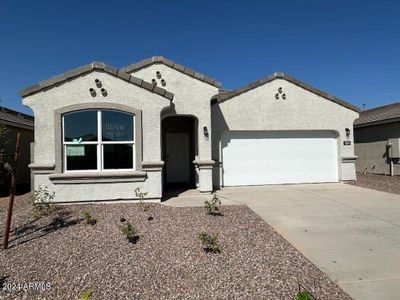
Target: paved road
(350,233)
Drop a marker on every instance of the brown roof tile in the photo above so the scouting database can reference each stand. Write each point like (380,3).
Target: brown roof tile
(98,66)
(381,114)
(162,60)
(223,96)
(15,118)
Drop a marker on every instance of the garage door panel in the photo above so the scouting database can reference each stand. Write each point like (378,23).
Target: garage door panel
(252,158)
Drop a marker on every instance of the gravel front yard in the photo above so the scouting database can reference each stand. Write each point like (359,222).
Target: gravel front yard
(385,183)
(167,262)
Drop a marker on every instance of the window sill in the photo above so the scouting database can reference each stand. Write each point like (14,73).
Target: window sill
(98,177)
(349,159)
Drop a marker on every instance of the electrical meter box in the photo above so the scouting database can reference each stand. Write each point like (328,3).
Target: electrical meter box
(394,150)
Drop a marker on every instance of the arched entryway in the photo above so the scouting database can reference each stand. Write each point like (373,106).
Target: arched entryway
(179,149)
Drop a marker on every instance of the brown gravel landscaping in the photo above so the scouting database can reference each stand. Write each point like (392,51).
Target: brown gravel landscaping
(167,262)
(385,183)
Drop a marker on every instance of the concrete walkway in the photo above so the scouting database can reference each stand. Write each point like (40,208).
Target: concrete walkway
(350,233)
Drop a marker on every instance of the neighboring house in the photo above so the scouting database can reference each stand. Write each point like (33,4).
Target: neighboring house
(102,132)
(16,122)
(377,134)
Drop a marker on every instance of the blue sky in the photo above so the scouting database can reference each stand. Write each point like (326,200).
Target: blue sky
(350,49)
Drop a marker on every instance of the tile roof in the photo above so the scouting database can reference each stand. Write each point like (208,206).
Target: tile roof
(162,60)
(15,118)
(382,114)
(223,96)
(99,66)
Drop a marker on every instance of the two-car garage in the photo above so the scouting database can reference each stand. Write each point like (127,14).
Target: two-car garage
(278,157)
(279,130)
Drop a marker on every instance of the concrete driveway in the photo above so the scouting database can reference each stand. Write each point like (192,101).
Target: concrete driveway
(351,233)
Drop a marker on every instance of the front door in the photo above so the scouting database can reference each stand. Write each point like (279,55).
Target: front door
(177,157)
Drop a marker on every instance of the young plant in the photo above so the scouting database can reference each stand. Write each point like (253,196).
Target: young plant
(130,232)
(304,295)
(88,218)
(210,242)
(87,295)
(42,201)
(213,206)
(141,196)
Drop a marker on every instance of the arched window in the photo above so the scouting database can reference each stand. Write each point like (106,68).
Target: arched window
(98,140)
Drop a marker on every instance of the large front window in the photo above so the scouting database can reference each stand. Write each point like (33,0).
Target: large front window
(99,140)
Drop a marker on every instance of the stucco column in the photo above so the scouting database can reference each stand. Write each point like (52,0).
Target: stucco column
(205,175)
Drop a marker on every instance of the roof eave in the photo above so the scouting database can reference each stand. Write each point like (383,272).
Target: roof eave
(279,75)
(94,66)
(162,60)
(377,122)
(16,124)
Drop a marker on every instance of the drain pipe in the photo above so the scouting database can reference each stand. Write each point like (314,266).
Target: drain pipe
(391,167)
(388,146)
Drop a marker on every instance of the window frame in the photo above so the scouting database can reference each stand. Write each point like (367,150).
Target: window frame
(99,143)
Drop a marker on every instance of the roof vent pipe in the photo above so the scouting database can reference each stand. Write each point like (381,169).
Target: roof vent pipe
(92,92)
(158,74)
(97,82)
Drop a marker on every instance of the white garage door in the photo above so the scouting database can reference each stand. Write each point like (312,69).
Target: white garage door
(274,157)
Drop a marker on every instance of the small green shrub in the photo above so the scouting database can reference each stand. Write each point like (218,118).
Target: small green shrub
(213,206)
(130,232)
(88,218)
(141,196)
(87,295)
(304,295)
(42,201)
(210,242)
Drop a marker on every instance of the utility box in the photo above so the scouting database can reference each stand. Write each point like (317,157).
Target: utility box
(394,150)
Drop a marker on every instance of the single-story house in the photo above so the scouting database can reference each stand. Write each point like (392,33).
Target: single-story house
(377,138)
(14,122)
(102,132)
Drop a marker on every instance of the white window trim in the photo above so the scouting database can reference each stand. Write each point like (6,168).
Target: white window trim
(99,143)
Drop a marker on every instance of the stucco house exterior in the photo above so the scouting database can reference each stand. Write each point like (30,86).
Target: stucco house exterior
(102,132)
(377,140)
(14,122)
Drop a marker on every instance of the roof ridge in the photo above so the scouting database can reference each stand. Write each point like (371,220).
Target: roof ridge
(14,118)
(382,106)
(15,112)
(221,97)
(172,64)
(379,115)
(95,65)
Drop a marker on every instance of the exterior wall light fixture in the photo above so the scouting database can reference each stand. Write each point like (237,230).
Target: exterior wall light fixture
(347,133)
(205,131)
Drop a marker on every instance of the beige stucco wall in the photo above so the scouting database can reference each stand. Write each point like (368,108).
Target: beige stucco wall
(371,148)
(76,91)
(191,97)
(258,109)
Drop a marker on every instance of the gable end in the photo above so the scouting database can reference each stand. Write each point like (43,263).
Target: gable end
(223,96)
(162,60)
(94,66)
